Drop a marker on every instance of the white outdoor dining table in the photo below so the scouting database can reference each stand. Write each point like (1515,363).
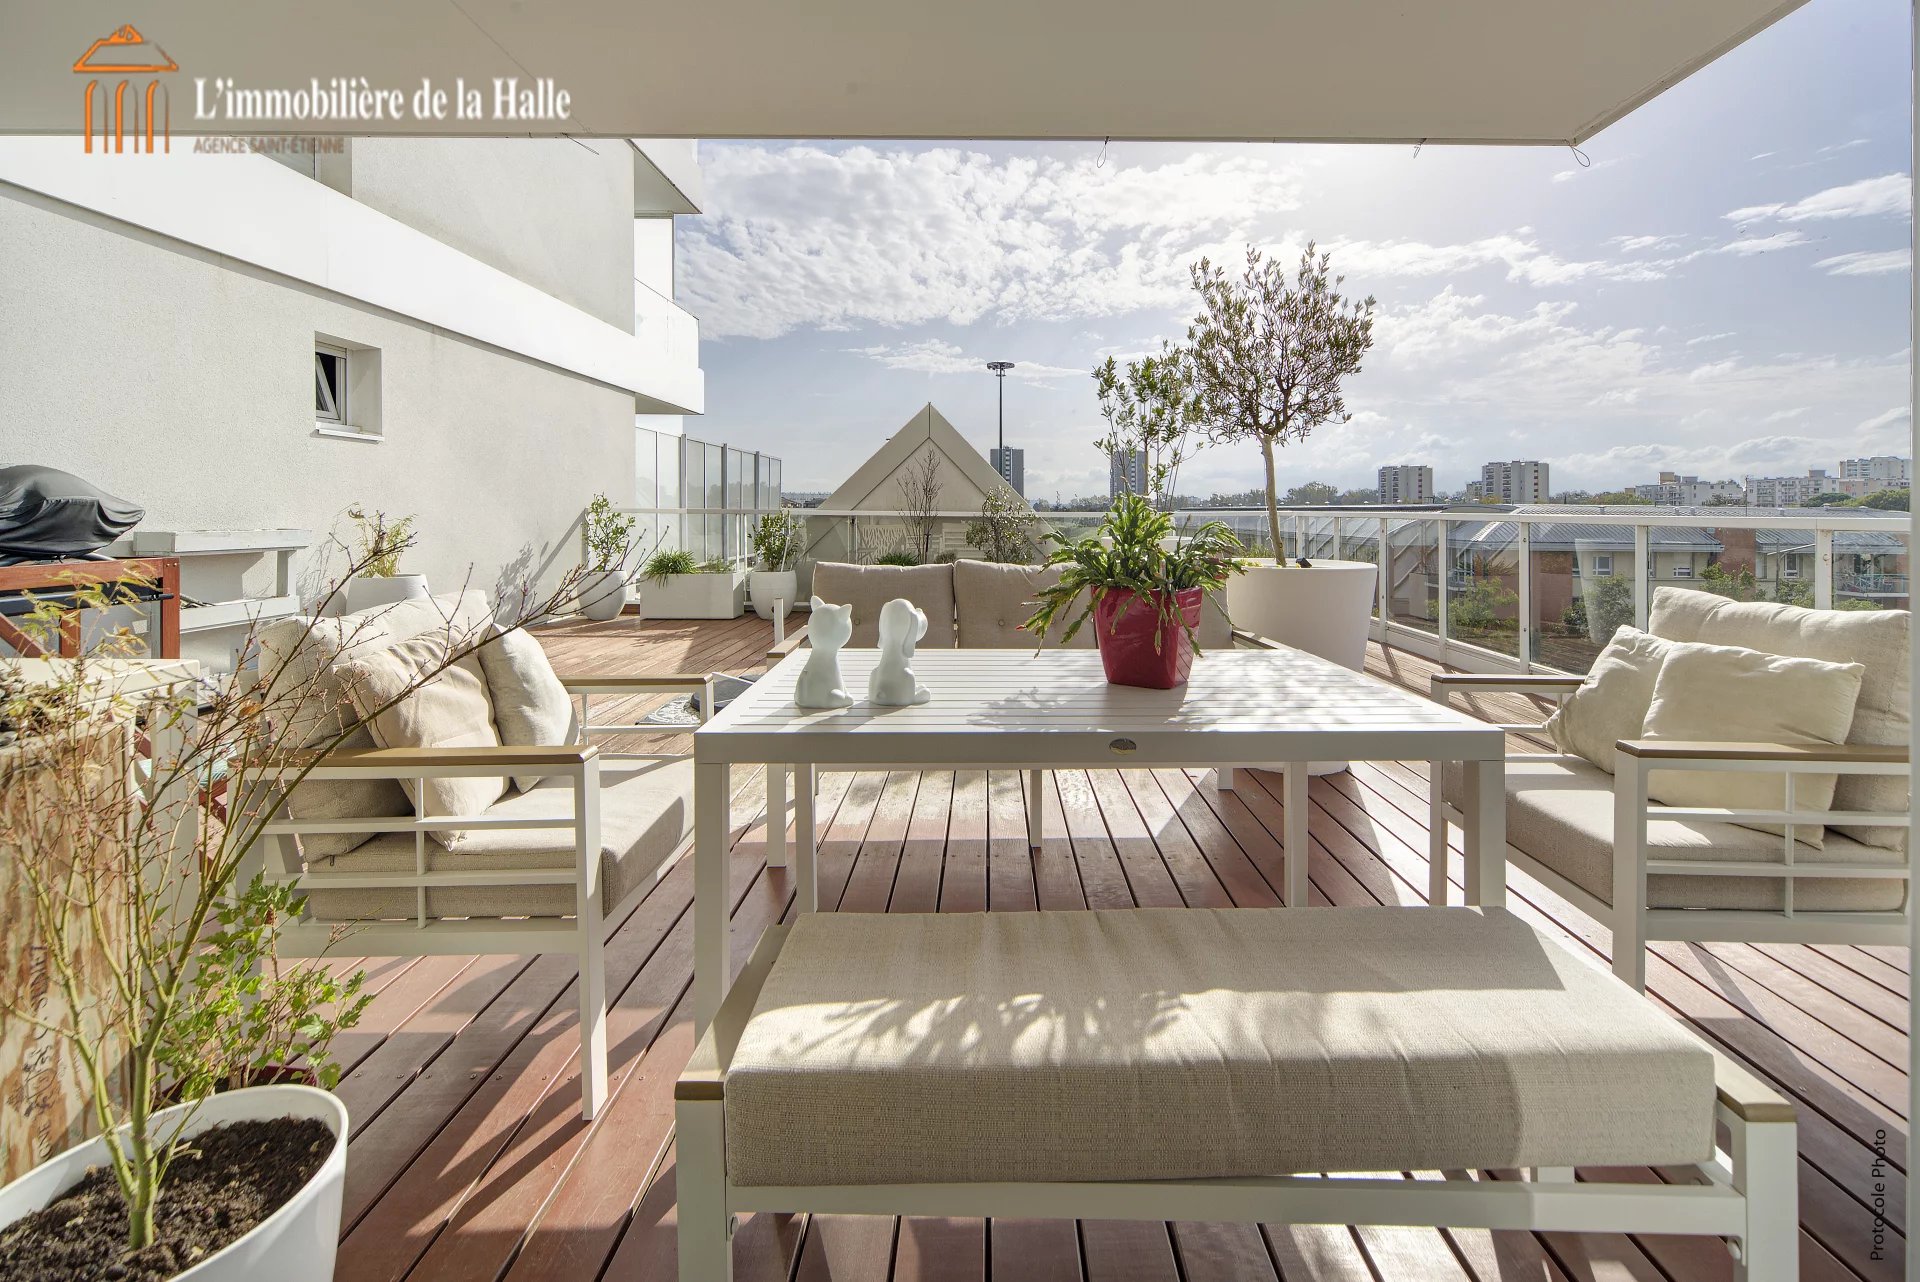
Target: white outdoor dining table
(1015,709)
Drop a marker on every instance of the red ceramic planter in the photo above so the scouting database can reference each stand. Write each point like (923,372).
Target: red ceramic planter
(1126,640)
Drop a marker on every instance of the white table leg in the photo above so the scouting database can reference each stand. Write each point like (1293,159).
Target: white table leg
(776,815)
(1036,806)
(1293,796)
(805,846)
(710,892)
(1223,778)
(1485,833)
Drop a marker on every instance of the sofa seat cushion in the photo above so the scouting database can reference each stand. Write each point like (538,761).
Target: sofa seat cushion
(1560,813)
(868,587)
(1190,1043)
(646,814)
(1878,640)
(993,603)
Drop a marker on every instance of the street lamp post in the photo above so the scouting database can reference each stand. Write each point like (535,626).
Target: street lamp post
(1000,369)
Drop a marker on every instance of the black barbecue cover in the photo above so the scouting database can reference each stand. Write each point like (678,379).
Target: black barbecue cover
(50,515)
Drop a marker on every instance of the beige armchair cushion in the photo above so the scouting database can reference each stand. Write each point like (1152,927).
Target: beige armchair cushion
(1560,814)
(1156,1043)
(414,697)
(530,706)
(646,814)
(1878,640)
(1729,694)
(1611,704)
(302,658)
(868,587)
(995,600)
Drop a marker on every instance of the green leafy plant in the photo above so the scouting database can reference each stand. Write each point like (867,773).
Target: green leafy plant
(1476,610)
(381,540)
(714,565)
(777,540)
(1150,408)
(246,1020)
(897,557)
(1135,551)
(667,562)
(1004,532)
(609,535)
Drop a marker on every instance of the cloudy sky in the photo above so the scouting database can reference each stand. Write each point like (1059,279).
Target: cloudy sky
(1720,288)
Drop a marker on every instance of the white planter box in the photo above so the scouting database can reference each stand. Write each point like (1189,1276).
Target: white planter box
(716,595)
(294,1244)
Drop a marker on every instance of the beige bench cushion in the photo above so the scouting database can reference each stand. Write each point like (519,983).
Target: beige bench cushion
(1560,812)
(646,813)
(1184,1043)
(1875,639)
(868,587)
(993,602)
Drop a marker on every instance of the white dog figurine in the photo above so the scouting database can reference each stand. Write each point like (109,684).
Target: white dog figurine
(820,685)
(893,684)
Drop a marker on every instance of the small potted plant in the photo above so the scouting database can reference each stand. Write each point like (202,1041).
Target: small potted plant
(381,539)
(604,586)
(1143,586)
(777,540)
(681,587)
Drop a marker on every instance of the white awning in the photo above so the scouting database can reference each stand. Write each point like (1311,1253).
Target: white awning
(1480,71)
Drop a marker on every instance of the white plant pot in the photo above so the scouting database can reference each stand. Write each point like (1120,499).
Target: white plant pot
(367,593)
(604,595)
(294,1244)
(718,594)
(1325,608)
(768,586)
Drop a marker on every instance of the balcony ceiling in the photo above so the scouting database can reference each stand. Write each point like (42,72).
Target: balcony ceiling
(1482,71)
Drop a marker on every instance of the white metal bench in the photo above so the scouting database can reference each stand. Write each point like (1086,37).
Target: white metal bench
(1157,1064)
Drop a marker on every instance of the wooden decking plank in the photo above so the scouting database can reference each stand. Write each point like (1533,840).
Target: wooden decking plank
(1143,826)
(916,887)
(1505,1256)
(1866,965)
(1176,803)
(1034,1251)
(1318,1253)
(842,1248)
(1223,1253)
(1150,874)
(963,885)
(940,1250)
(1103,877)
(1056,868)
(1010,868)
(870,888)
(1127,1251)
(1816,1001)
(397,1002)
(1840,984)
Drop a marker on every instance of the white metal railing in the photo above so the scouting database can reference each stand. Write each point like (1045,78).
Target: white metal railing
(1486,589)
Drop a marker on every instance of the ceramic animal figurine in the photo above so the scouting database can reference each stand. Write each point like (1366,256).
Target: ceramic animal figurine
(820,685)
(893,684)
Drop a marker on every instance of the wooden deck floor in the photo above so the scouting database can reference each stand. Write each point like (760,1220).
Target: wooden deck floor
(469,1160)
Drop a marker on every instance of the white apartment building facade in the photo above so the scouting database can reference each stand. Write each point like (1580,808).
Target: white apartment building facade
(1790,491)
(1674,490)
(1406,483)
(1859,476)
(1519,481)
(463,330)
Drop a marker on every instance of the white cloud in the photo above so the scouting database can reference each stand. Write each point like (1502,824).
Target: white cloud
(1639,244)
(933,356)
(1750,245)
(1568,175)
(1887,194)
(1868,263)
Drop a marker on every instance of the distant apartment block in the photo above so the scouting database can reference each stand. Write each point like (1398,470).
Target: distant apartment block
(1520,481)
(1860,476)
(1011,464)
(1674,490)
(1406,483)
(1790,491)
(1127,473)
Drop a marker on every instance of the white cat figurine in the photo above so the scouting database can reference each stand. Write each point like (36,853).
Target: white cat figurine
(820,685)
(893,684)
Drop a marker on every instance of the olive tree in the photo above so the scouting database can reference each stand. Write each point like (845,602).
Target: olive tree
(1150,408)
(1268,353)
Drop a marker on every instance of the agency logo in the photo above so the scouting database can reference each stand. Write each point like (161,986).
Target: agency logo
(127,54)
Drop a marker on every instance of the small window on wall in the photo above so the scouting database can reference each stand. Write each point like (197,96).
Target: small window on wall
(1683,572)
(1603,563)
(1789,567)
(330,385)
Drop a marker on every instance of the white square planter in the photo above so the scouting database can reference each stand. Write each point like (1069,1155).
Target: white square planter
(716,595)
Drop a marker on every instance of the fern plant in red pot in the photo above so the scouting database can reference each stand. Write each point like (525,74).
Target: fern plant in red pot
(1143,585)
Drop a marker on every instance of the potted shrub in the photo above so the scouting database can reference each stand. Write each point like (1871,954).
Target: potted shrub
(778,538)
(1142,585)
(380,541)
(1266,357)
(679,587)
(604,586)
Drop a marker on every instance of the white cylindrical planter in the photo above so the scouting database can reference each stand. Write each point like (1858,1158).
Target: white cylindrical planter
(294,1244)
(768,586)
(603,595)
(367,593)
(1325,608)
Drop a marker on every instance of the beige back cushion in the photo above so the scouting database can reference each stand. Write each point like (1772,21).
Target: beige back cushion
(1878,640)
(303,657)
(1611,704)
(530,706)
(993,602)
(413,697)
(1729,694)
(868,587)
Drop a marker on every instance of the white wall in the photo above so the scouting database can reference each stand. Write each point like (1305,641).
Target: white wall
(653,254)
(183,381)
(536,208)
